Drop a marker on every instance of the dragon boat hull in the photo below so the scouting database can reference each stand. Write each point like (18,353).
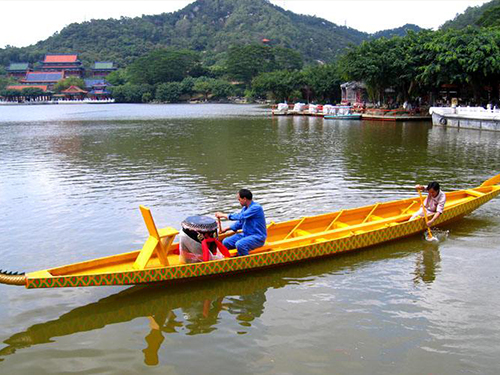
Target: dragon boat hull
(290,241)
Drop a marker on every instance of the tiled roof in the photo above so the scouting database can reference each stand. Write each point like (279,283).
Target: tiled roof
(99,92)
(60,58)
(74,90)
(67,67)
(22,87)
(98,65)
(18,66)
(43,76)
(96,82)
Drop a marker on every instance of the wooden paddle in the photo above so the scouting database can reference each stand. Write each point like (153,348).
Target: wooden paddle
(425,213)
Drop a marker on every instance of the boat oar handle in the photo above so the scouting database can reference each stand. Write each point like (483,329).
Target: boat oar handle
(425,212)
(219,225)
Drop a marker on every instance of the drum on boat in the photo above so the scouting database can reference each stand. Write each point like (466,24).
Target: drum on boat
(199,232)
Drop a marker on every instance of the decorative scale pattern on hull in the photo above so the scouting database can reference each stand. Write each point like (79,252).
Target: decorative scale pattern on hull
(272,258)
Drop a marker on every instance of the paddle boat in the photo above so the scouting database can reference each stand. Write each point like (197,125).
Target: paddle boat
(290,241)
(340,112)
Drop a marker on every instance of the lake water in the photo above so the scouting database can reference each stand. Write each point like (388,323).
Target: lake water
(71,181)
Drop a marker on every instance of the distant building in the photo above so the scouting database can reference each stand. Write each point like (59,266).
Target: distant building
(22,87)
(98,88)
(18,70)
(67,63)
(74,93)
(102,68)
(353,93)
(43,78)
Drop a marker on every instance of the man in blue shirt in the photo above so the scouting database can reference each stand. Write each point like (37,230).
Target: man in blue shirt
(251,220)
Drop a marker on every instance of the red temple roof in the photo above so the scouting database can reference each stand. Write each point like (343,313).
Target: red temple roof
(60,58)
(74,90)
(22,87)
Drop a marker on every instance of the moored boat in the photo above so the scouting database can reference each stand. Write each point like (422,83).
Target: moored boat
(466,117)
(290,241)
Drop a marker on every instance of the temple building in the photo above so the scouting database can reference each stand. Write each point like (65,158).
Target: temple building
(18,70)
(43,78)
(22,87)
(74,93)
(98,88)
(354,93)
(69,64)
(102,69)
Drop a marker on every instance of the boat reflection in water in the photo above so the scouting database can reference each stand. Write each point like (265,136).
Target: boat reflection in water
(194,308)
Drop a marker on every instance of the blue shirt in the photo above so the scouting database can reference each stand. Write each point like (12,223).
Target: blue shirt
(252,220)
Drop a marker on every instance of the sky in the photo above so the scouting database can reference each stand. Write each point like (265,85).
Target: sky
(25,22)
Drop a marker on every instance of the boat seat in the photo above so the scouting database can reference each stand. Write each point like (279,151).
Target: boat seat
(474,193)
(300,233)
(376,218)
(339,224)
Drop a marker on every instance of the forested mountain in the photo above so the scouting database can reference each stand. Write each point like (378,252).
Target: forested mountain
(400,31)
(207,26)
(473,16)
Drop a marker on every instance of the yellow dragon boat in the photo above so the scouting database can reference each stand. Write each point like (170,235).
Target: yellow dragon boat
(290,241)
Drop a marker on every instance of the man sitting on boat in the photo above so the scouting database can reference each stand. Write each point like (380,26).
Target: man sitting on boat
(251,220)
(434,203)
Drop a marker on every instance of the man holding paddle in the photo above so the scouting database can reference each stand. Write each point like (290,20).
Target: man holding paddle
(434,203)
(251,220)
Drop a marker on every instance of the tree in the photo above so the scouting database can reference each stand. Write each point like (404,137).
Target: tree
(32,92)
(287,59)
(280,85)
(67,82)
(246,62)
(118,77)
(322,83)
(164,65)
(130,93)
(490,18)
(169,92)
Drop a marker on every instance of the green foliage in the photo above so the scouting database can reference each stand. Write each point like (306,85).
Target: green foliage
(164,65)
(244,62)
(169,92)
(490,17)
(422,62)
(67,82)
(118,77)
(32,92)
(208,26)
(322,83)
(471,16)
(130,93)
(279,85)
(10,93)
(215,88)
(6,81)
(187,85)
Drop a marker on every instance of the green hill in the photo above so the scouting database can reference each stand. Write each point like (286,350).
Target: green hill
(473,16)
(400,31)
(207,26)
